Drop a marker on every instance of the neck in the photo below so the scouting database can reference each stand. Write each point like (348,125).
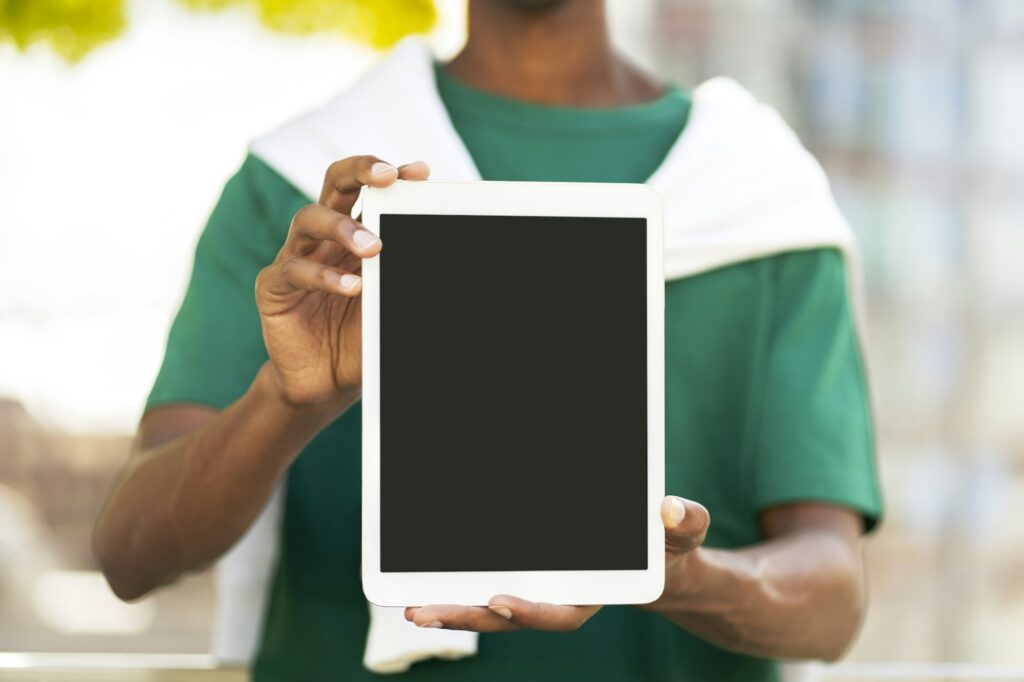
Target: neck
(561,55)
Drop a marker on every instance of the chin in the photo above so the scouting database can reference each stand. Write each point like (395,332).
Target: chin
(533,5)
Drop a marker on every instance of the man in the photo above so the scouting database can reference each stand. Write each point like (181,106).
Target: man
(766,408)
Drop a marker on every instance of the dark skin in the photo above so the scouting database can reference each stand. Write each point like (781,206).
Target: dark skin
(198,478)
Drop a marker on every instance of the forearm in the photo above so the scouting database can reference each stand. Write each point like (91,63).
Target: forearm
(798,596)
(182,504)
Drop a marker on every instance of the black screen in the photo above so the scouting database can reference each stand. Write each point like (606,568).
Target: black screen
(513,381)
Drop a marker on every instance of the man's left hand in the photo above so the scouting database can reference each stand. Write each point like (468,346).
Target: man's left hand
(686,526)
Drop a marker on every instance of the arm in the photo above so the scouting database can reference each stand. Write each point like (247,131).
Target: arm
(195,482)
(198,478)
(798,594)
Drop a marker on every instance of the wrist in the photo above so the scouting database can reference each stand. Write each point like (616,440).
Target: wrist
(705,581)
(683,578)
(267,390)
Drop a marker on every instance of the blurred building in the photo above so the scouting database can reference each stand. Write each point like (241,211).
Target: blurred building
(915,108)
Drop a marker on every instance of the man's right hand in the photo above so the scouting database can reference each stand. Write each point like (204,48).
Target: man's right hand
(198,477)
(308,298)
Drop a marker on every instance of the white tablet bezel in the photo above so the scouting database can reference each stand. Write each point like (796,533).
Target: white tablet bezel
(514,199)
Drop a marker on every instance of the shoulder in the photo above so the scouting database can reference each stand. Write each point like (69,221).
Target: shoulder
(272,190)
(792,268)
(798,273)
(257,191)
(729,124)
(806,263)
(740,185)
(811,286)
(392,111)
(743,118)
(252,216)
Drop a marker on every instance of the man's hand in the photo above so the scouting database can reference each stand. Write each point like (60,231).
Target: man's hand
(198,477)
(798,594)
(686,525)
(308,298)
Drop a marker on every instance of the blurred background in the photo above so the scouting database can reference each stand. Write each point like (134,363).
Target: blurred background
(116,138)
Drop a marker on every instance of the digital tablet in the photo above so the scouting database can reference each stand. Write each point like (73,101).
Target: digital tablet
(513,371)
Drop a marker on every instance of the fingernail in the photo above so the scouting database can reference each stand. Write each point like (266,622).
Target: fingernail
(414,164)
(676,511)
(503,611)
(381,167)
(433,624)
(364,239)
(349,281)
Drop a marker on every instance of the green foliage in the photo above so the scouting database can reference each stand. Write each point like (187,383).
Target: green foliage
(379,23)
(72,27)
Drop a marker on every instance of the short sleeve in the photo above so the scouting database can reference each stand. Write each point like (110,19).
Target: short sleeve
(215,346)
(815,440)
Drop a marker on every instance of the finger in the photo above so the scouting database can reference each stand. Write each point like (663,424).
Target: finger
(417,170)
(453,617)
(303,273)
(539,615)
(314,223)
(686,524)
(345,178)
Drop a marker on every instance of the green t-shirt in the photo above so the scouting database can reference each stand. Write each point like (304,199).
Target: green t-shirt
(765,404)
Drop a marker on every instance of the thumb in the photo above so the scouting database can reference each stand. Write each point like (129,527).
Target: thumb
(686,524)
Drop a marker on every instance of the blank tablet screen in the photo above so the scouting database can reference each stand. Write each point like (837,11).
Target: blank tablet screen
(513,393)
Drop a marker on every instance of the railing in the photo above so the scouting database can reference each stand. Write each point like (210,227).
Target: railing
(204,667)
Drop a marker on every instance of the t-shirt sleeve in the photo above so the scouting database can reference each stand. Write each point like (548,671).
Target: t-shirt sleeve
(215,346)
(816,441)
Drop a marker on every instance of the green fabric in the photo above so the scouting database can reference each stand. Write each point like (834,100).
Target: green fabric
(765,401)
(512,140)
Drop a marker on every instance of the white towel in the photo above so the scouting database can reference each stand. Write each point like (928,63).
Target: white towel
(737,185)
(393,643)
